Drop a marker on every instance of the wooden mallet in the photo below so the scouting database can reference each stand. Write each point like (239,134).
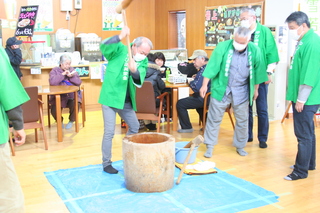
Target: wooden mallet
(195,142)
(121,10)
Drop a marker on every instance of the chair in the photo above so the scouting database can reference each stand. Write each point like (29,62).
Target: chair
(83,107)
(32,116)
(205,110)
(146,106)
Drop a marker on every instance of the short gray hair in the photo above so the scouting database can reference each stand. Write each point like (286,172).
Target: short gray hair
(242,32)
(64,58)
(248,10)
(203,57)
(138,41)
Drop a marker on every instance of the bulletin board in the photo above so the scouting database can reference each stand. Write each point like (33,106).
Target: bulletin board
(220,21)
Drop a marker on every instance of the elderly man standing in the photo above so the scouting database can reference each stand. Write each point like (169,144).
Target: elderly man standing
(118,92)
(304,92)
(236,70)
(263,38)
(195,101)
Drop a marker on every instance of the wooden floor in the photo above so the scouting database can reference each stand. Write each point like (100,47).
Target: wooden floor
(263,167)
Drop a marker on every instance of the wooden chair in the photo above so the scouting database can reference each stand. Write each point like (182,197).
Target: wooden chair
(205,110)
(32,116)
(82,105)
(146,106)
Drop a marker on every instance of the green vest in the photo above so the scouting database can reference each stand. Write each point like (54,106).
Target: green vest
(12,94)
(218,68)
(305,69)
(117,77)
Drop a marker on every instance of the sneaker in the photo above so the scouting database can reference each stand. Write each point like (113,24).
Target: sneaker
(109,169)
(123,124)
(69,125)
(151,126)
(250,139)
(142,126)
(263,144)
(185,130)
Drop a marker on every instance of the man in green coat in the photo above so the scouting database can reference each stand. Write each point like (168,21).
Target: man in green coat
(118,92)
(12,95)
(304,92)
(263,38)
(236,70)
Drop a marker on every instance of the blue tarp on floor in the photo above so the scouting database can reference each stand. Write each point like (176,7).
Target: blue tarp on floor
(89,189)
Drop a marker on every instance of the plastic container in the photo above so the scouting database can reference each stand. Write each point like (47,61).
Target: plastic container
(182,153)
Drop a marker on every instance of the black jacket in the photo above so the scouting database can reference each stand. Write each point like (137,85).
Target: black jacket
(153,75)
(15,57)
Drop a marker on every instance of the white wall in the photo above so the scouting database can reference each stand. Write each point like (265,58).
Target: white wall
(276,12)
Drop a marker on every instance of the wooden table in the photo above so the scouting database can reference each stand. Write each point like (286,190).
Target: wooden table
(174,91)
(57,91)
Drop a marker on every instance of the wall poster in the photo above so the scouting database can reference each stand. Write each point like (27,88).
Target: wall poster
(111,20)
(220,21)
(26,21)
(312,8)
(44,21)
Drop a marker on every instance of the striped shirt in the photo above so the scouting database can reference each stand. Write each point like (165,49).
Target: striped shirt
(238,82)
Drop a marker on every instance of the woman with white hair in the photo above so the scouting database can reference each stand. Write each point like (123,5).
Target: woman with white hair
(64,74)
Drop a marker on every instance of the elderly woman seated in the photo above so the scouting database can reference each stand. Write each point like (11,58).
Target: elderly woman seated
(65,75)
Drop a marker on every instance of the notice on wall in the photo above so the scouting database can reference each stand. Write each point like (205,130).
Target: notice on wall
(220,22)
(26,20)
(111,20)
(83,71)
(312,8)
(44,22)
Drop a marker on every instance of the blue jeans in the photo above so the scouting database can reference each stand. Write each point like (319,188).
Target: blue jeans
(262,112)
(304,131)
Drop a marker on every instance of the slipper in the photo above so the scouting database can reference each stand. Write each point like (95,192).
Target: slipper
(292,176)
(69,125)
(242,152)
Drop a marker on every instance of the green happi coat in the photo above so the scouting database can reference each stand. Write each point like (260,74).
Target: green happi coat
(264,39)
(12,94)
(218,68)
(305,69)
(117,77)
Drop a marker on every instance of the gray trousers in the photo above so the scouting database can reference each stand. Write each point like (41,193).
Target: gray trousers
(215,115)
(109,119)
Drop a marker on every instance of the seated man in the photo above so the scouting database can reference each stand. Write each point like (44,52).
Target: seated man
(65,75)
(195,101)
